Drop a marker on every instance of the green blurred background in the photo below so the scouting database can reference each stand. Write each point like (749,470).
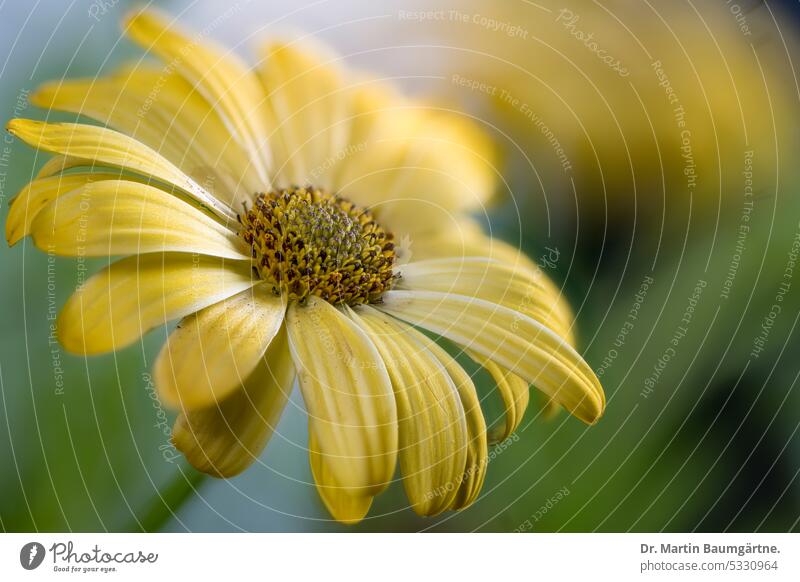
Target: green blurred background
(706,441)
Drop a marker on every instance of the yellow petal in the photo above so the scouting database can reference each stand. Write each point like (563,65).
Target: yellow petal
(433,430)
(110,148)
(38,194)
(347,394)
(529,292)
(511,339)
(226,82)
(213,350)
(121,217)
(514,392)
(519,287)
(307,99)
(477,446)
(347,506)
(58,164)
(413,160)
(122,302)
(113,102)
(161,109)
(223,440)
(465,239)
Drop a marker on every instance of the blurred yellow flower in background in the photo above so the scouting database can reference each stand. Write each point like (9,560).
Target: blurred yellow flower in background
(302,220)
(643,108)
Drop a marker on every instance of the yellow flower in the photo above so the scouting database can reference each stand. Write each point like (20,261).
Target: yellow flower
(198,182)
(646,111)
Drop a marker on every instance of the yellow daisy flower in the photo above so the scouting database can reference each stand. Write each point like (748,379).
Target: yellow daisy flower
(195,174)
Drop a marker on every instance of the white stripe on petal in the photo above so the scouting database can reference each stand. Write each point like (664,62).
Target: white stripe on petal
(510,338)
(107,147)
(514,287)
(121,217)
(217,73)
(348,396)
(433,428)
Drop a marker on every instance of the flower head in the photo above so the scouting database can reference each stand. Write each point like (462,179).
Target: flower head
(263,208)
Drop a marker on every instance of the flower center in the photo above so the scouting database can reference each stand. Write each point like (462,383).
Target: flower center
(306,241)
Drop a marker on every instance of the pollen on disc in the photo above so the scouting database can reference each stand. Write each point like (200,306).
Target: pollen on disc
(306,241)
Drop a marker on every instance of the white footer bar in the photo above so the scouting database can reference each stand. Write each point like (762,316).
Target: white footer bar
(406,557)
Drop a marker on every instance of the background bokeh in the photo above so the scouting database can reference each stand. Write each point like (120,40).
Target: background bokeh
(684,281)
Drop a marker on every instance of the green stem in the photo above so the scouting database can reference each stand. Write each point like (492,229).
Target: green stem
(169,500)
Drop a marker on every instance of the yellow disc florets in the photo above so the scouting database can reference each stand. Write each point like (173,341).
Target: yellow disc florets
(306,241)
